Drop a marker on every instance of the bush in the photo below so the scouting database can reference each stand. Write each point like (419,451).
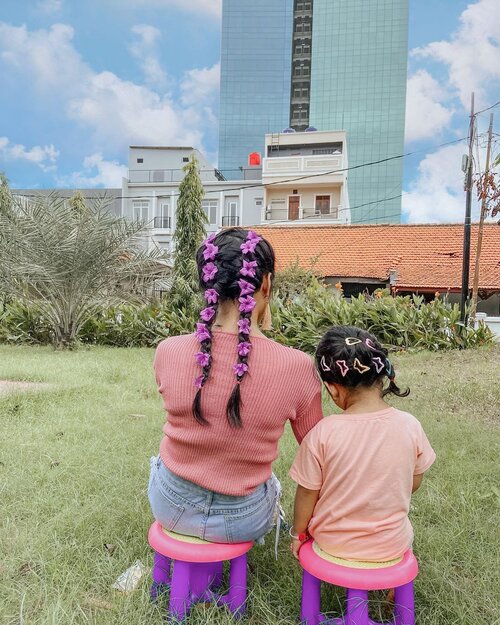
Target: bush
(303,309)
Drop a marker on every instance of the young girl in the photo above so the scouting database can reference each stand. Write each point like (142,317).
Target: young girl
(356,471)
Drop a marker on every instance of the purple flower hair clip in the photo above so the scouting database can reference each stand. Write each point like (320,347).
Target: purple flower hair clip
(198,381)
(202,359)
(248,269)
(244,326)
(211,296)
(253,236)
(207,314)
(247,304)
(244,348)
(248,247)
(210,238)
(210,251)
(202,333)
(247,288)
(240,369)
(209,271)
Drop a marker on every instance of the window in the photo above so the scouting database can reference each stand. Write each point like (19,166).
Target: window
(185,159)
(210,208)
(140,160)
(231,217)
(322,204)
(259,201)
(140,210)
(162,218)
(318,151)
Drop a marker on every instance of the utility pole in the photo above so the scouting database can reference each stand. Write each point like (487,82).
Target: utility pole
(467,222)
(482,217)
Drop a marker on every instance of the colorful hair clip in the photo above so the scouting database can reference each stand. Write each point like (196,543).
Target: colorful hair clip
(323,364)
(352,340)
(342,365)
(379,363)
(371,345)
(359,366)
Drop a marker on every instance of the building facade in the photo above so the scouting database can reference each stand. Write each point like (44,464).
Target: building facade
(151,190)
(343,67)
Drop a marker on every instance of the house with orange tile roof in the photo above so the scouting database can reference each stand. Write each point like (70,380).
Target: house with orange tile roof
(408,258)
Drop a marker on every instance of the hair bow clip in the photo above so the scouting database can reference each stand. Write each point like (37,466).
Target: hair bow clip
(359,366)
(323,364)
(352,340)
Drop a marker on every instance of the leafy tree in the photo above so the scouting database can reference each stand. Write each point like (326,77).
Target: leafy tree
(71,259)
(190,229)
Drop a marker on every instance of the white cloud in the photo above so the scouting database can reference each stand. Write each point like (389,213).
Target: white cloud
(201,85)
(50,6)
(96,172)
(205,7)
(144,49)
(426,116)
(117,112)
(43,156)
(437,195)
(472,53)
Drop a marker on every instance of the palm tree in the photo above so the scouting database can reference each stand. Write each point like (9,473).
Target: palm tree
(71,258)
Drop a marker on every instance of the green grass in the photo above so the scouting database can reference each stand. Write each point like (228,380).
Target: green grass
(74,461)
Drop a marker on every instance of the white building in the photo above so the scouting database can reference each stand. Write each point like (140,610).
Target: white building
(298,181)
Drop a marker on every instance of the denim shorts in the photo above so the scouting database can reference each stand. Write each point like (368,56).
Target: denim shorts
(186,508)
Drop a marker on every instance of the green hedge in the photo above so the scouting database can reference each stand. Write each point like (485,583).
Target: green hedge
(303,309)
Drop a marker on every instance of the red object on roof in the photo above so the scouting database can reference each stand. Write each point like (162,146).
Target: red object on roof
(254,159)
(425,257)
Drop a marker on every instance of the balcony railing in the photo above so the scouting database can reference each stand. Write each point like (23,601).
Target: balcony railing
(281,213)
(162,222)
(230,220)
(160,176)
(277,166)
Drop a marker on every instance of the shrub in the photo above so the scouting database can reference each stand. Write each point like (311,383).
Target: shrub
(303,309)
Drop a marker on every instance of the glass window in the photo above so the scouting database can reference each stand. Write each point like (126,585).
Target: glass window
(140,210)
(210,208)
(323,204)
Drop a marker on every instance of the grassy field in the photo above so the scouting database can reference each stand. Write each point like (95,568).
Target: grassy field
(73,475)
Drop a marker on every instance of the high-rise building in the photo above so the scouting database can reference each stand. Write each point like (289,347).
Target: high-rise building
(327,64)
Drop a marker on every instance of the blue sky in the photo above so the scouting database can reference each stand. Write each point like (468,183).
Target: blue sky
(83,80)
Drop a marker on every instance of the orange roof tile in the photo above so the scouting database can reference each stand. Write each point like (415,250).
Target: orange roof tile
(424,256)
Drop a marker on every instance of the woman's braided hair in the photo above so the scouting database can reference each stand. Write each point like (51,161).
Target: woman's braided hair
(231,266)
(352,357)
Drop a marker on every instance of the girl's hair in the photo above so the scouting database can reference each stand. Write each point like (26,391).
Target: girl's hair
(231,267)
(352,357)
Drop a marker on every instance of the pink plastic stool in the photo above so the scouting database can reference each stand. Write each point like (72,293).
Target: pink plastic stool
(197,571)
(357,582)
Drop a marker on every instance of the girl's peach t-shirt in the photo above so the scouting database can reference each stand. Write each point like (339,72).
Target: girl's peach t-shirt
(363,465)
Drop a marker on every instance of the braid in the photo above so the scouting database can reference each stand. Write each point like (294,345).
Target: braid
(247,302)
(231,267)
(204,326)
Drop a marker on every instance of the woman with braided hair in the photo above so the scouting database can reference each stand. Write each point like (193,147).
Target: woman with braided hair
(228,391)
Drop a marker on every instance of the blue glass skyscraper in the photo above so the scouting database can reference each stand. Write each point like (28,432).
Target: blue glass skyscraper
(330,64)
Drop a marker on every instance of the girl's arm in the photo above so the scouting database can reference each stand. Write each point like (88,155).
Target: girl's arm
(305,500)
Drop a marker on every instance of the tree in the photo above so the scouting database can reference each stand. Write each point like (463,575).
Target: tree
(72,259)
(190,229)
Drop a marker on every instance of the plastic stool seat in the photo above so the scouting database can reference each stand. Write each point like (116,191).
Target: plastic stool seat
(191,549)
(352,575)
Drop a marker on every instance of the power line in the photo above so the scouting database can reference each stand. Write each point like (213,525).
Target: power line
(487,109)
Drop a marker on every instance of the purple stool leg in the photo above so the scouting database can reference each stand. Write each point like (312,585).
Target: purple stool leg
(310,609)
(201,576)
(237,596)
(180,595)
(160,574)
(404,605)
(357,607)
(217,572)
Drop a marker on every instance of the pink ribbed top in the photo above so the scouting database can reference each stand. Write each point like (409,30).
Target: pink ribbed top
(281,385)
